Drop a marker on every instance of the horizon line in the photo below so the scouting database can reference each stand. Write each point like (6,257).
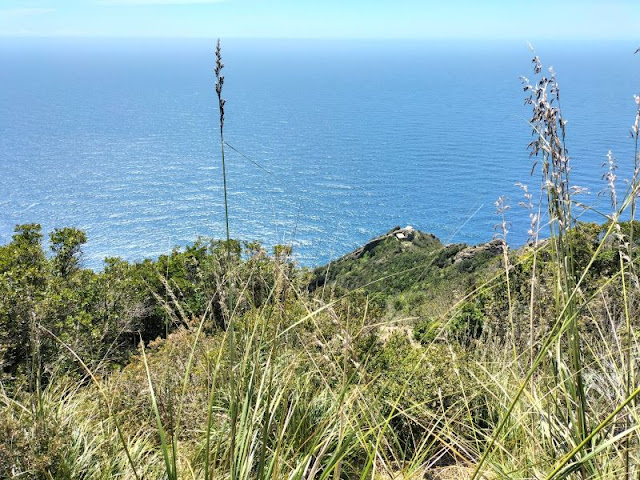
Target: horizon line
(314,38)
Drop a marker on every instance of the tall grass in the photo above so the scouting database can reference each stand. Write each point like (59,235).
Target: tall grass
(574,421)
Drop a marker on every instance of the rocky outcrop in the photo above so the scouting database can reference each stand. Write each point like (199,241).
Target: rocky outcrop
(492,248)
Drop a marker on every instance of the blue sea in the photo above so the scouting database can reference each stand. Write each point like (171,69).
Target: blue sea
(331,142)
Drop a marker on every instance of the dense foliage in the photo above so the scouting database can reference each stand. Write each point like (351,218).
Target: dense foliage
(397,327)
(50,306)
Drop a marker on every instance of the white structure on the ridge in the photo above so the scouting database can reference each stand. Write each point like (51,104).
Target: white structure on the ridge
(404,233)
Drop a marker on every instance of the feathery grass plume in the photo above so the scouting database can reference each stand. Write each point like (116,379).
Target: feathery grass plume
(534,224)
(221,103)
(502,231)
(549,148)
(610,177)
(549,145)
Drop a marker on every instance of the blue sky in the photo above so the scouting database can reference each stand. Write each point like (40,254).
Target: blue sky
(482,19)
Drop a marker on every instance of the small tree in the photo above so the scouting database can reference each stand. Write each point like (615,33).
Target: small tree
(22,285)
(66,244)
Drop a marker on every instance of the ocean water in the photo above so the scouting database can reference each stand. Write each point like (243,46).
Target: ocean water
(339,140)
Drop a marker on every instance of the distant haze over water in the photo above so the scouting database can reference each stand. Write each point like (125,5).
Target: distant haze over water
(120,138)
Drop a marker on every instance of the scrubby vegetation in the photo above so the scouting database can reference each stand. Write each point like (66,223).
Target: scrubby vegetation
(407,358)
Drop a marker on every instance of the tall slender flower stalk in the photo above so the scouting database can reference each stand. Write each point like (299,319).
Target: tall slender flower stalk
(221,103)
(231,333)
(503,229)
(630,380)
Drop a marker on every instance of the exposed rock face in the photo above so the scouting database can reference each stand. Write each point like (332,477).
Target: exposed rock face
(492,248)
(406,234)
